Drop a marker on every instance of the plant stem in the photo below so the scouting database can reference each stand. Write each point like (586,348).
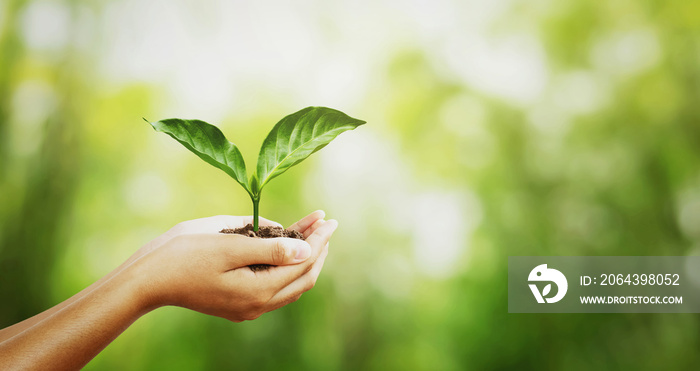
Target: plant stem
(256,213)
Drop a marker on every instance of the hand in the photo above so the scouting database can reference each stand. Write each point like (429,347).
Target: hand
(195,267)
(192,266)
(211,224)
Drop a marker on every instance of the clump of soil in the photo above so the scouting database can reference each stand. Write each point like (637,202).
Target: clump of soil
(263,232)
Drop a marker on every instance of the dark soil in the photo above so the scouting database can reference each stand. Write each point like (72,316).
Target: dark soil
(263,232)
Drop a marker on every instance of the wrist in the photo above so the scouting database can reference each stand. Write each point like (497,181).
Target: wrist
(138,290)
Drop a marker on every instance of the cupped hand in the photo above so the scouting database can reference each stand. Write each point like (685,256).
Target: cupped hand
(195,267)
(211,224)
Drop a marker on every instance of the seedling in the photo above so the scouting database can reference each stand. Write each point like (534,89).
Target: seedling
(290,142)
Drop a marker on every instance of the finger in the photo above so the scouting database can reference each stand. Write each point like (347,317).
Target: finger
(243,251)
(313,228)
(261,221)
(285,275)
(307,221)
(293,291)
(322,235)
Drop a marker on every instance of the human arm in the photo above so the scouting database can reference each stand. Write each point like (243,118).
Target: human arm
(206,272)
(204,225)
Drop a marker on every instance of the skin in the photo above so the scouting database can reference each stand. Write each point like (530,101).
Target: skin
(191,266)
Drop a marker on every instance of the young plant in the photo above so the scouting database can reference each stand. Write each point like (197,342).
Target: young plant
(291,141)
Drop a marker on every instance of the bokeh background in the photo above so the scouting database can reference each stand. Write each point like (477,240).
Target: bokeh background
(495,128)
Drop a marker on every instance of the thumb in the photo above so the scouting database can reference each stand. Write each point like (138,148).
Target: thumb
(273,251)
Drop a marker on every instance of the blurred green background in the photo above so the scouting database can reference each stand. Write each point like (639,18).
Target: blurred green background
(495,128)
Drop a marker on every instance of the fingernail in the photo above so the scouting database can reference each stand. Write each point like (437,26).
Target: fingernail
(303,251)
(335,222)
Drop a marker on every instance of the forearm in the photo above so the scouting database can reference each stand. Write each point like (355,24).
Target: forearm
(73,335)
(19,327)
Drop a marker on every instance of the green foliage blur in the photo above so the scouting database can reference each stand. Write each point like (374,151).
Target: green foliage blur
(494,128)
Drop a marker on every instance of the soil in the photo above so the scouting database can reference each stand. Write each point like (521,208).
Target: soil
(263,232)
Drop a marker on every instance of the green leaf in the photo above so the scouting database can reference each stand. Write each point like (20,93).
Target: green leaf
(209,143)
(296,137)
